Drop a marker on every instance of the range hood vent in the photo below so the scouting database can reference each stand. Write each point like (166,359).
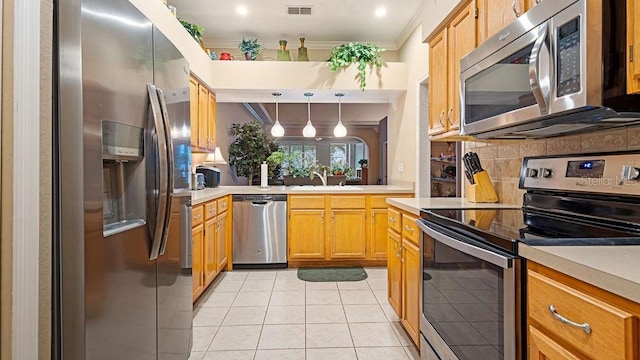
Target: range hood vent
(299,10)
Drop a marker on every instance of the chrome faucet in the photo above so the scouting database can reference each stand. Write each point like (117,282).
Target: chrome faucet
(322,177)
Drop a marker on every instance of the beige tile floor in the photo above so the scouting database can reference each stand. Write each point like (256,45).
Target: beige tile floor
(271,314)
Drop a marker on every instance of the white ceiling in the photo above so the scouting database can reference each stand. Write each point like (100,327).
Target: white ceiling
(332,22)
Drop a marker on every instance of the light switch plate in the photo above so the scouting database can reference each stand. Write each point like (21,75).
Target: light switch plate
(400,167)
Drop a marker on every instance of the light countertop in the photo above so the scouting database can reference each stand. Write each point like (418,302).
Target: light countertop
(413,205)
(612,268)
(200,196)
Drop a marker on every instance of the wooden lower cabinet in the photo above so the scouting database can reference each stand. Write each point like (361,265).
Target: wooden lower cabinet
(348,234)
(197,268)
(394,272)
(210,265)
(222,253)
(410,257)
(306,234)
(605,326)
(403,271)
(378,234)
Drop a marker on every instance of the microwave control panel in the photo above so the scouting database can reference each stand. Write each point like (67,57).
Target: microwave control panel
(568,40)
(611,174)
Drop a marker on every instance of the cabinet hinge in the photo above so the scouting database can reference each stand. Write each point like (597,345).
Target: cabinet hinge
(630,53)
(475,12)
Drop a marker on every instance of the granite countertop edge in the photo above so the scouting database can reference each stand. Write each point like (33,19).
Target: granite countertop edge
(204,195)
(609,267)
(414,205)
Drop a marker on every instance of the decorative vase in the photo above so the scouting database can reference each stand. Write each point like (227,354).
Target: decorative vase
(302,51)
(248,56)
(283,53)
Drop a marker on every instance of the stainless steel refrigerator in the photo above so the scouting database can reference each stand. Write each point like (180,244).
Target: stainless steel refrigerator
(122,165)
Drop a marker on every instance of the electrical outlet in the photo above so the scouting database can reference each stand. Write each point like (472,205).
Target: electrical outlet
(400,167)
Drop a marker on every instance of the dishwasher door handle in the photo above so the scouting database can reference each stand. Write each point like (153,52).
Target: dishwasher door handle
(261,202)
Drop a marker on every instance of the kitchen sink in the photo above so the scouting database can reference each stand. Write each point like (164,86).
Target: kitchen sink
(328,187)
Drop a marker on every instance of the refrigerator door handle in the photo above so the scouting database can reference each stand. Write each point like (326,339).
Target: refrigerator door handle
(161,173)
(170,162)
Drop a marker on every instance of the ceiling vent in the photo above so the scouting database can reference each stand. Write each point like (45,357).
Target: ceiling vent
(299,10)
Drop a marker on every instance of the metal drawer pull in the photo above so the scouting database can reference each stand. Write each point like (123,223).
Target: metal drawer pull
(392,220)
(441,116)
(585,326)
(408,228)
(197,216)
(515,11)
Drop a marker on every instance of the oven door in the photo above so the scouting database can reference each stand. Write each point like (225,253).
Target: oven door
(468,297)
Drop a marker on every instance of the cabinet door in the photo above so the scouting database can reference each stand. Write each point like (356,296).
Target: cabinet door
(222,254)
(348,234)
(542,347)
(394,272)
(203,117)
(306,234)
(411,290)
(462,39)
(210,266)
(633,46)
(197,270)
(378,234)
(193,110)
(496,14)
(438,83)
(531,3)
(211,123)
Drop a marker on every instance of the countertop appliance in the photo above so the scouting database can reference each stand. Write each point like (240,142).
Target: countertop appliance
(558,69)
(119,291)
(211,175)
(259,231)
(472,274)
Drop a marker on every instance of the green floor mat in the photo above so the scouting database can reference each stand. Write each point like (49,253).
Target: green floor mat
(332,274)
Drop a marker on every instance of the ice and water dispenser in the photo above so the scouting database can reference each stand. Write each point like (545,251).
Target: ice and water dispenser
(123,177)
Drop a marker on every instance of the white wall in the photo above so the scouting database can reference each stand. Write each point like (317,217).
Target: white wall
(403,117)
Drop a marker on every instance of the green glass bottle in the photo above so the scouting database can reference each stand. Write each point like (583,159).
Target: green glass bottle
(283,53)
(302,51)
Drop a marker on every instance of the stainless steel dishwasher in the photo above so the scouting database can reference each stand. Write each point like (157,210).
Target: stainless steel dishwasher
(259,231)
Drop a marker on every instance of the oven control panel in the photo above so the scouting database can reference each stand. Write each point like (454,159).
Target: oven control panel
(610,174)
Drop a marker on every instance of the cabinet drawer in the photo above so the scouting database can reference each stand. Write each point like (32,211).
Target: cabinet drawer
(612,330)
(347,202)
(410,229)
(306,202)
(394,221)
(379,202)
(223,204)
(209,210)
(197,215)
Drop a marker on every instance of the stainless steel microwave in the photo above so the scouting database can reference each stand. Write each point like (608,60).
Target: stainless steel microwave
(558,69)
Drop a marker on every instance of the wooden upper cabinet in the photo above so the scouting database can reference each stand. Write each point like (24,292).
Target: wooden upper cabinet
(496,14)
(203,116)
(462,40)
(531,3)
(193,109)
(438,83)
(633,46)
(211,123)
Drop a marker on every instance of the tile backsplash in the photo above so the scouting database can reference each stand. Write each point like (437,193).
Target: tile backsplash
(503,158)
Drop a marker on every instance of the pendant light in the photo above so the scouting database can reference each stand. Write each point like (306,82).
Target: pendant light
(340,130)
(309,130)
(277,130)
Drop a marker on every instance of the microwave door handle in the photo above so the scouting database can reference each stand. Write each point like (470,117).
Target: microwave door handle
(534,69)
(161,173)
(170,160)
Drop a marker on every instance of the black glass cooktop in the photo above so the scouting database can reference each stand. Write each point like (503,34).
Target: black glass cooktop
(504,228)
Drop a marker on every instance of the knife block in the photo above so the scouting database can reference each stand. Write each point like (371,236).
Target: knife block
(482,191)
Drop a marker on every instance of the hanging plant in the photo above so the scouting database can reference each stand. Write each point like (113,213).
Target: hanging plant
(194,30)
(355,53)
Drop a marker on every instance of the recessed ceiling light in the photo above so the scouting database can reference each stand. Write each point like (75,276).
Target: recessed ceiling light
(381,12)
(242,10)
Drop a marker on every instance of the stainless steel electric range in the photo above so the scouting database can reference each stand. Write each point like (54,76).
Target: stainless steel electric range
(473,283)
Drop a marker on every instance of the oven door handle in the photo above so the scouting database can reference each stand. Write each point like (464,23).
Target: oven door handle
(480,253)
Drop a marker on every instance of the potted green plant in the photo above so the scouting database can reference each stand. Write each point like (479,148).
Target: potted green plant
(343,56)
(250,48)
(194,30)
(250,148)
(363,163)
